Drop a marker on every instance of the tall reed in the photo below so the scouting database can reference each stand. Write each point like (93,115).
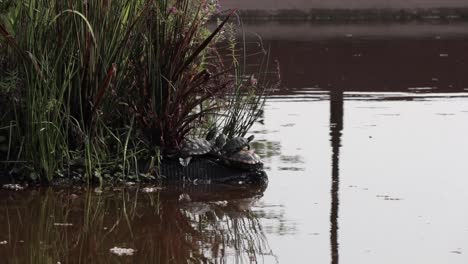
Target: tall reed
(106,84)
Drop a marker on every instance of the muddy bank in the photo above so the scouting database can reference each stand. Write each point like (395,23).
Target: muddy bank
(199,171)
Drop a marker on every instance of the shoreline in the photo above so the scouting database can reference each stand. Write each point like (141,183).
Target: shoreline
(333,15)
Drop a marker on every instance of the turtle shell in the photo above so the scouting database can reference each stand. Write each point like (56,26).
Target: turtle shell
(236,144)
(244,159)
(218,144)
(195,147)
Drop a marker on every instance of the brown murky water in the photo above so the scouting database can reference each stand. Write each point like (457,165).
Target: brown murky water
(161,226)
(366,156)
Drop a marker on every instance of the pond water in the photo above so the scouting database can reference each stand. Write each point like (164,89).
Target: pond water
(367,163)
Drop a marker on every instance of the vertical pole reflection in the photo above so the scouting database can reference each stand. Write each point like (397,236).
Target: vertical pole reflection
(336,126)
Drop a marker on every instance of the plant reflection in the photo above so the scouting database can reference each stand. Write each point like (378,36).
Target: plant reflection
(81,226)
(267,149)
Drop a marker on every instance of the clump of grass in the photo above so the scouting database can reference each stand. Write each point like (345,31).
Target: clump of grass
(176,78)
(66,56)
(104,85)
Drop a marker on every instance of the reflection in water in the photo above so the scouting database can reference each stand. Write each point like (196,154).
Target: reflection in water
(267,149)
(367,57)
(336,126)
(81,226)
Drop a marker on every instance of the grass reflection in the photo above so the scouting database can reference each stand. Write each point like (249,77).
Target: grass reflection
(82,225)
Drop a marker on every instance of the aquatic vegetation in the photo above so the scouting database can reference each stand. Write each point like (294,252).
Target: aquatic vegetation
(101,89)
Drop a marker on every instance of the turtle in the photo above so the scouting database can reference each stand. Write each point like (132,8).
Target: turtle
(244,159)
(218,145)
(200,147)
(236,144)
(194,147)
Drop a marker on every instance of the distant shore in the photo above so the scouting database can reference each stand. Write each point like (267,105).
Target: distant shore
(355,15)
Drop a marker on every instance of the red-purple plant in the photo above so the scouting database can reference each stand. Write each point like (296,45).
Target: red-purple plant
(173,77)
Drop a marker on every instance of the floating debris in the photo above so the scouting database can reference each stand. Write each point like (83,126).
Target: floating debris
(392,199)
(288,125)
(423,88)
(221,203)
(122,251)
(151,189)
(445,114)
(388,197)
(201,181)
(13,187)
(63,224)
